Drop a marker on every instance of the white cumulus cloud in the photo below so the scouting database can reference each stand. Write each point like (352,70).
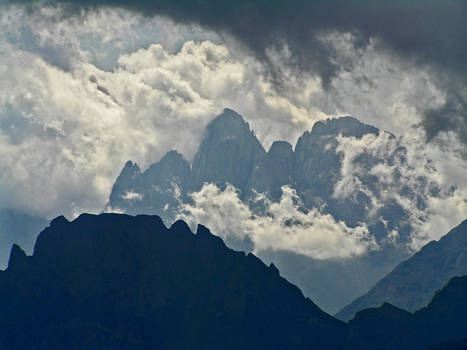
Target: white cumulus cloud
(284,226)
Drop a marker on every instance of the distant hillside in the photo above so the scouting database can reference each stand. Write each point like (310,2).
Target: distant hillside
(412,284)
(443,322)
(120,282)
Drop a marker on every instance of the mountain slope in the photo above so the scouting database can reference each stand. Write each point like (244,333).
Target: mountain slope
(443,320)
(119,282)
(413,283)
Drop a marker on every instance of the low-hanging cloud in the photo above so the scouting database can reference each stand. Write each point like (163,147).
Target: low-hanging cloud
(283,226)
(406,174)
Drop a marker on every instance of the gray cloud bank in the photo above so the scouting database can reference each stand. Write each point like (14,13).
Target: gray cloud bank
(428,32)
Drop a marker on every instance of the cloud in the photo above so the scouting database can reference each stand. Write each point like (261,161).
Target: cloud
(283,227)
(428,33)
(133,87)
(409,29)
(65,134)
(132,196)
(411,174)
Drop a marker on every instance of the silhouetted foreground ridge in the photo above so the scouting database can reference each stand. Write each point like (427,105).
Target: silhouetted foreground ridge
(121,282)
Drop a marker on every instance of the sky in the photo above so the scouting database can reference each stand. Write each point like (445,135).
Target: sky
(88,85)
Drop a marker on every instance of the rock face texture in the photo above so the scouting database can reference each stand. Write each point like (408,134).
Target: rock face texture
(228,153)
(120,282)
(344,181)
(412,284)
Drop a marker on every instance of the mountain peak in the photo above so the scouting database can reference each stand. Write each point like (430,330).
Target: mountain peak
(130,171)
(59,220)
(180,226)
(280,148)
(17,256)
(345,126)
(171,164)
(172,155)
(229,124)
(130,166)
(228,152)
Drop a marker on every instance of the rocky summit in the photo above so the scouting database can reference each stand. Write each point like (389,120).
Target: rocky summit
(230,153)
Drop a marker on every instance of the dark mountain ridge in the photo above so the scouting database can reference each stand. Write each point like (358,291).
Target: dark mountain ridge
(114,281)
(120,282)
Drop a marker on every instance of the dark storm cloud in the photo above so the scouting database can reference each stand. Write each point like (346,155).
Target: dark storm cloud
(426,31)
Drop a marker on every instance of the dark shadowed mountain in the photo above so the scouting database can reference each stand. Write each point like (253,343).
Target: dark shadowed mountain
(443,321)
(120,282)
(231,153)
(412,284)
(114,281)
(18,227)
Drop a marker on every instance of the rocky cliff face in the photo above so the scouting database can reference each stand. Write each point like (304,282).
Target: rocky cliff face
(229,153)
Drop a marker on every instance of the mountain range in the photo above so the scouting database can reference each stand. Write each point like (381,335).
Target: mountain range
(317,169)
(114,281)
